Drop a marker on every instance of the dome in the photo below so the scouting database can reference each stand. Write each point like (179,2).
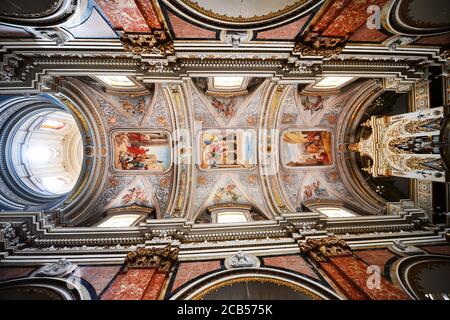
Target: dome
(46,152)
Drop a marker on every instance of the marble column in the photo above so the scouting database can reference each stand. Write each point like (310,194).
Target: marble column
(356,279)
(143,275)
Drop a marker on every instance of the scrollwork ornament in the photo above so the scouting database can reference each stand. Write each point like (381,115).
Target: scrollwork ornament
(159,258)
(60,268)
(158,42)
(320,250)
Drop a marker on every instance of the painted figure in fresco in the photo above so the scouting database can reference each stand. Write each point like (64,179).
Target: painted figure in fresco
(227,109)
(139,108)
(309,148)
(135,151)
(312,104)
(314,189)
(233,148)
(135,196)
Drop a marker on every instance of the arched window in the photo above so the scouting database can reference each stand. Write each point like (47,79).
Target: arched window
(120,221)
(231,217)
(335,212)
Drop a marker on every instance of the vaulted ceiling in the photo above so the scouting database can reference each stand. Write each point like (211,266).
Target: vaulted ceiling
(189,107)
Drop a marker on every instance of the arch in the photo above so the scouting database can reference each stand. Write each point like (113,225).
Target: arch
(422,276)
(46,13)
(77,209)
(22,186)
(42,288)
(416,17)
(352,178)
(199,288)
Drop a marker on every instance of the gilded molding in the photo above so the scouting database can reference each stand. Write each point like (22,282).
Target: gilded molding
(157,42)
(279,282)
(159,258)
(223,17)
(320,250)
(327,50)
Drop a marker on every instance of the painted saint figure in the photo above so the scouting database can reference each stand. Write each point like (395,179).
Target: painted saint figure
(143,151)
(306,148)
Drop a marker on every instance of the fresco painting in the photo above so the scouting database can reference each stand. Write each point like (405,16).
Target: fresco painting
(306,148)
(142,151)
(227,149)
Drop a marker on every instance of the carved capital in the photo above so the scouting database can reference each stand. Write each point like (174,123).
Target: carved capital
(9,71)
(13,234)
(158,258)
(320,250)
(325,51)
(158,42)
(314,44)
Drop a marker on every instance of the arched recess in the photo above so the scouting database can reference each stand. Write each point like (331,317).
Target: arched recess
(369,200)
(423,277)
(40,122)
(45,13)
(41,288)
(298,286)
(77,209)
(416,17)
(237,15)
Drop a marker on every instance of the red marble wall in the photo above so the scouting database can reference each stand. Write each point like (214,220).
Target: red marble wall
(190,270)
(439,249)
(375,257)
(294,262)
(149,13)
(184,29)
(14,272)
(347,18)
(348,288)
(440,40)
(356,272)
(155,286)
(351,18)
(130,285)
(363,34)
(126,14)
(286,32)
(98,276)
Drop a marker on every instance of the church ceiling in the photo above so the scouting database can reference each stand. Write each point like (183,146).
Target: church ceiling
(132,179)
(160,133)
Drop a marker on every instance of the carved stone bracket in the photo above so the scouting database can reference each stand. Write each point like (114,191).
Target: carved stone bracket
(159,258)
(315,45)
(320,250)
(158,42)
(60,268)
(13,234)
(10,70)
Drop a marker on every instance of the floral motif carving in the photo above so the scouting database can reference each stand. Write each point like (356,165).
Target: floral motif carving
(322,46)
(157,42)
(159,258)
(321,249)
